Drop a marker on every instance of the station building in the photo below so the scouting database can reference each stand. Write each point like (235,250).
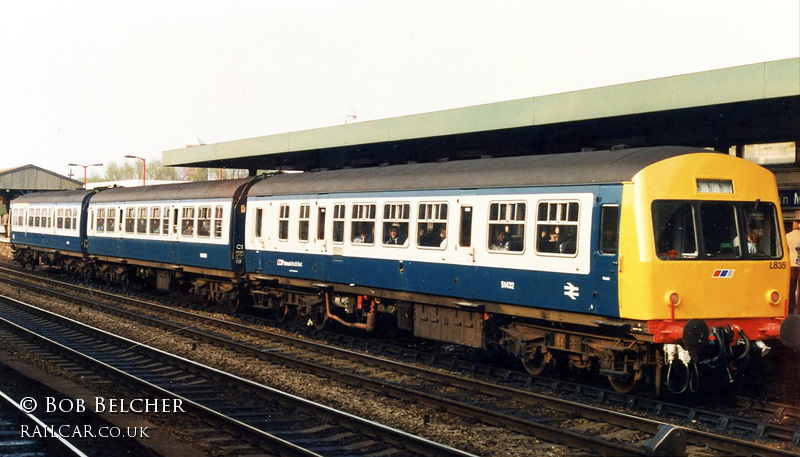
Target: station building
(751,111)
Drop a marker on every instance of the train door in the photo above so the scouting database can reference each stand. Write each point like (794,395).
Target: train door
(605,259)
(465,245)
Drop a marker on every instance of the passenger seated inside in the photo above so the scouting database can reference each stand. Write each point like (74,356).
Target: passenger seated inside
(364,236)
(432,235)
(394,237)
(548,240)
(499,242)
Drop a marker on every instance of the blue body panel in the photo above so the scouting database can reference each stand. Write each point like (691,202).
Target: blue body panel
(48,241)
(200,255)
(594,293)
(530,288)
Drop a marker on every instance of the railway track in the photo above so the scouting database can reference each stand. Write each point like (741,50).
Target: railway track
(263,416)
(480,399)
(17,434)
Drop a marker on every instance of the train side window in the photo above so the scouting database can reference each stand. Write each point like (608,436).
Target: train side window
(465,232)
(609,229)
(363,223)
(304,222)
(395,223)
(204,222)
(432,225)
(111,220)
(187,222)
(130,218)
(175,221)
(321,224)
(557,227)
(141,221)
(259,221)
(68,219)
(155,220)
(37,217)
(60,218)
(165,221)
(507,226)
(283,223)
(338,223)
(218,212)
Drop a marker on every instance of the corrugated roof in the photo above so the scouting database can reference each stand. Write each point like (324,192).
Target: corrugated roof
(189,190)
(569,168)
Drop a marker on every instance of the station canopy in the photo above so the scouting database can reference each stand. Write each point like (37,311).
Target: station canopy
(720,109)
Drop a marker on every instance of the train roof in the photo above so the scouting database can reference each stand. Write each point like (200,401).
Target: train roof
(184,191)
(593,167)
(59,196)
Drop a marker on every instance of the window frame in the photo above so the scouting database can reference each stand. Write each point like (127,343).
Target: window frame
(304,223)
(396,213)
(558,216)
(283,222)
(502,220)
(432,218)
(363,214)
(339,223)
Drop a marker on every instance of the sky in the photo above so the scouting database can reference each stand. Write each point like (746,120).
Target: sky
(92,81)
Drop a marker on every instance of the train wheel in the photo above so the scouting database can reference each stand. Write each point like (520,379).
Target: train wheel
(318,318)
(624,386)
(536,364)
(282,313)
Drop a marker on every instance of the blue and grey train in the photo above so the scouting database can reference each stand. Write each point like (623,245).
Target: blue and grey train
(623,263)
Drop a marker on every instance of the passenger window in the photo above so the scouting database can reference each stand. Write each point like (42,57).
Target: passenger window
(204,222)
(218,222)
(111,220)
(557,227)
(507,226)
(395,223)
(465,234)
(609,229)
(60,218)
(165,221)
(130,218)
(68,222)
(432,225)
(283,223)
(187,222)
(338,223)
(363,224)
(321,224)
(155,220)
(141,221)
(305,220)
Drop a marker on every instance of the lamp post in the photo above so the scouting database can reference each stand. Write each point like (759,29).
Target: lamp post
(84,169)
(144,167)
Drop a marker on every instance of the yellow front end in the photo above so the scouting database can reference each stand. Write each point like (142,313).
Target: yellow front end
(658,282)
